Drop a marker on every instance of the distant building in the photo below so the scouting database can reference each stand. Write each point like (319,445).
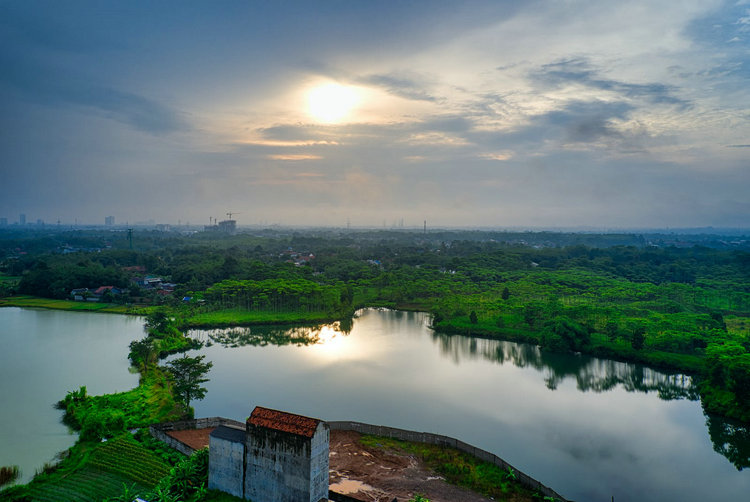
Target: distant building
(225,226)
(3,222)
(22,219)
(278,457)
(109,220)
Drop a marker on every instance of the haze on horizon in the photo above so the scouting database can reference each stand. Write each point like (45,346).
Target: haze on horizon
(477,113)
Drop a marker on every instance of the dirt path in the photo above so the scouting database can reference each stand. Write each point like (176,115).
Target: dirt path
(378,475)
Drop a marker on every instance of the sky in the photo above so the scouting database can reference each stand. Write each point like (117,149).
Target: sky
(493,113)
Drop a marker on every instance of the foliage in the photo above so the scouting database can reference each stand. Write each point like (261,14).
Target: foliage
(188,375)
(187,481)
(8,474)
(108,415)
(624,296)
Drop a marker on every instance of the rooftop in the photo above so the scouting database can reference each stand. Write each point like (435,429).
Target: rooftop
(229,433)
(283,421)
(194,438)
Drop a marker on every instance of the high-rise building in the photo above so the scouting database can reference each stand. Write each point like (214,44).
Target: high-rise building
(109,220)
(22,219)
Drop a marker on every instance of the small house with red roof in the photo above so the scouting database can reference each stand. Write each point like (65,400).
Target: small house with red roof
(279,457)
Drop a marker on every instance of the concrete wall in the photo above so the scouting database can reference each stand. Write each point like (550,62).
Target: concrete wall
(280,467)
(437,439)
(226,466)
(319,462)
(159,431)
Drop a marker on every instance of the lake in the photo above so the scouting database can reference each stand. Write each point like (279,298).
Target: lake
(45,354)
(589,428)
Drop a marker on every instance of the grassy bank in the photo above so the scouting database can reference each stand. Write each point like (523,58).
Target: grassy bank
(599,345)
(48,303)
(241,317)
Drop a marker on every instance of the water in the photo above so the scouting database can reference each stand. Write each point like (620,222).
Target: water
(44,355)
(589,428)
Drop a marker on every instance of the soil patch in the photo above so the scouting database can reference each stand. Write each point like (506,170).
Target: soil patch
(380,475)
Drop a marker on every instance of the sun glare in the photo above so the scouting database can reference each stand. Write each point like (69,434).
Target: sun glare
(331,102)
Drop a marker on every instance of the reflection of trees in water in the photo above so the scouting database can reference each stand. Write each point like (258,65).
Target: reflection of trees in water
(590,374)
(261,336)
(731,439)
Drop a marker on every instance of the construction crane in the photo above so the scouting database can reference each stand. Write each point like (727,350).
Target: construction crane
(230,215)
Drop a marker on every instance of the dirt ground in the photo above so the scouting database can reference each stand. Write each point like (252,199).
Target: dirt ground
(377,475)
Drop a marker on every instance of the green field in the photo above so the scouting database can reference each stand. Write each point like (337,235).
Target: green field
(48,303)
(240,317)
(93,472)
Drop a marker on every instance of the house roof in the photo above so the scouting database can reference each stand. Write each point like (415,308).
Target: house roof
(283,421)
(229,433)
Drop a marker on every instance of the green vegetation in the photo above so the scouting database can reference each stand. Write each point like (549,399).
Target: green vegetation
(124,467)
(459,468)
(94,471)
(242,317)
(48,303)
(98,417)
(8,474)
(188,375)
(676,302)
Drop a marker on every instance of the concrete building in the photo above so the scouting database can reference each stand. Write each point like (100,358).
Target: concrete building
(279,457)
(22,219)
(109,220)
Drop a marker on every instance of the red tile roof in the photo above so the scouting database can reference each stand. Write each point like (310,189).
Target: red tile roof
(283,421)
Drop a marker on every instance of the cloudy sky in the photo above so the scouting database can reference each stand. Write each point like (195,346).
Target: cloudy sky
(498,113)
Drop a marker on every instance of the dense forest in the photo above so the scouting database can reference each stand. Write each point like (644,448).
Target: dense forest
(671,301)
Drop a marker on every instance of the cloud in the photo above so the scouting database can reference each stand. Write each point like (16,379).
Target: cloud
(403,87)
(53,87)
(294,157)
(581,72)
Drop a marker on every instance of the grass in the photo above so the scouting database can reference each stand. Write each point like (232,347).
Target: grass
(460,468)
(9,279)
(47,303)
(236,317)
(151,402)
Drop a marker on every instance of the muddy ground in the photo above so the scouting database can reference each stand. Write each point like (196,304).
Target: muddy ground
(379,475)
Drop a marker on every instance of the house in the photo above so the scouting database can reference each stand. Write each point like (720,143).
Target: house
(103,289)
(79,294)
(278,457)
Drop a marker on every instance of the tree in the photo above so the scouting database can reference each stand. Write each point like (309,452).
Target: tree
(506,293)
(564,334)
(188,374)
(473,317)
(638,337)
(157,322)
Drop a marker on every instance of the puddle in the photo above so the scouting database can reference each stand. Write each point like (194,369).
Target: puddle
(348,486)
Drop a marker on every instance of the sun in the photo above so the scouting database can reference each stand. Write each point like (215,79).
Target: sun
(331,103)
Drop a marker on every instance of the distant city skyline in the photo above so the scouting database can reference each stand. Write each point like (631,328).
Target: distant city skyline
(480,113)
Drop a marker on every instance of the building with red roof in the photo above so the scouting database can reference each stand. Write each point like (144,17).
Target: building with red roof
(279,457)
